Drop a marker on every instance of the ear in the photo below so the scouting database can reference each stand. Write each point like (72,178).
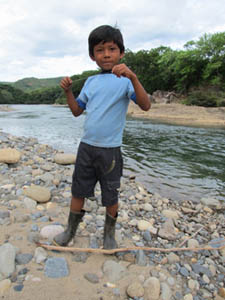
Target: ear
(122,55)
(92,57)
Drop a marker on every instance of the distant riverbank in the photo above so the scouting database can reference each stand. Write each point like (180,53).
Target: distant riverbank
(180,114)
(175,113)
(5,108)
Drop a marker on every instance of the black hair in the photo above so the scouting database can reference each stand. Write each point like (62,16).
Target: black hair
(105,33)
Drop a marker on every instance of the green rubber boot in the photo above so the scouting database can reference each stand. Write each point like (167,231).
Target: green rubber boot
(109,232)
(63,239)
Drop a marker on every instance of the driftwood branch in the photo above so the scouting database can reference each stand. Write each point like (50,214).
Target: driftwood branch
(113,251)
(191,237)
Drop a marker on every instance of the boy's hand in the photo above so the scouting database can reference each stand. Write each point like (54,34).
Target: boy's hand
(123,70)
(66,84)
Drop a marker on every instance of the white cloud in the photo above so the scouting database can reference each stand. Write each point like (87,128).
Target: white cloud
(49,38)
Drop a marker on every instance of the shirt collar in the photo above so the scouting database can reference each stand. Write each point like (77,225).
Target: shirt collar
(106,71)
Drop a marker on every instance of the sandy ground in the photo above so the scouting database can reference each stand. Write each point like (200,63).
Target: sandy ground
(179,114)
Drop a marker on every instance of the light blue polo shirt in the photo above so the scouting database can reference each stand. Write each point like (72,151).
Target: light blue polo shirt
(105,97)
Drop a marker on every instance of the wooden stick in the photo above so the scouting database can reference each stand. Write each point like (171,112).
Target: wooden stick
(112,251)
(191,237)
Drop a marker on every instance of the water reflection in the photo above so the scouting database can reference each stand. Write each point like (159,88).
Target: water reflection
(188,162)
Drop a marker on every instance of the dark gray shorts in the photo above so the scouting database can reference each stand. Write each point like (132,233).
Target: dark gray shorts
(95,164)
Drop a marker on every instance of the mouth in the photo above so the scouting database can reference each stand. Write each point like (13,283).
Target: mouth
(107,63)
(106,66)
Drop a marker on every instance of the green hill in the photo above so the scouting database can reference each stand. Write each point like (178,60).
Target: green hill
(32,83)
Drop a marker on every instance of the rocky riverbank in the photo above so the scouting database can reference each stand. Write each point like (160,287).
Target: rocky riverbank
(35,195)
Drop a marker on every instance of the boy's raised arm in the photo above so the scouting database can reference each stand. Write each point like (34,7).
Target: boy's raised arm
(66,84)
(142,97)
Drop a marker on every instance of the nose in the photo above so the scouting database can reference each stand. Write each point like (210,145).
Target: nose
(106,53)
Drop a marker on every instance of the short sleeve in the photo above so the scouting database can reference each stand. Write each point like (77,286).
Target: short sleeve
(131,93)
(82,99)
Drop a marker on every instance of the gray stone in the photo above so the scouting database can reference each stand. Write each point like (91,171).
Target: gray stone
(80,257)
(7,260)
(166,293)
(56,267)
(152,288)
(199,269)
(93,243)
(33,237)
(23,258)
(141,258)
(183,271)
(168,231)
(91,277)
(114,271)
(135,290)
(173,258)
(4,214)
(147,236)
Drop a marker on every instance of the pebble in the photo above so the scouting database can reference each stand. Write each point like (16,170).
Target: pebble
(40,255)
(91,277)
(18,288)
(135,289)
(35,189)
(143,225)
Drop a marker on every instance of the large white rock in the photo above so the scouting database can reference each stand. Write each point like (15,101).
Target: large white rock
(9,156)
(37,193)
(49,231)
(65,158)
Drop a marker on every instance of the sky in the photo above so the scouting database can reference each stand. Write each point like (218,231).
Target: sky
(48,38)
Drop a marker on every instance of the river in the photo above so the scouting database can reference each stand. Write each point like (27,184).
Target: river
(178,162)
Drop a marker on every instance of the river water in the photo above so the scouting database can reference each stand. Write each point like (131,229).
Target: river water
(178,162)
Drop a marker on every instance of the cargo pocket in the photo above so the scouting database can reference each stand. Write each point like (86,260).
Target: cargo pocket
(113,185)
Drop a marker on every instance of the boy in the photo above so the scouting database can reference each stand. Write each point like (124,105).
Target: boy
(105,97)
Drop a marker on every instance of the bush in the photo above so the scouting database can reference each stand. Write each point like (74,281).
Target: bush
(205,98)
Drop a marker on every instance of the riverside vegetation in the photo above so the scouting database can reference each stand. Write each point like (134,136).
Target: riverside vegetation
(35,183)
(197,73)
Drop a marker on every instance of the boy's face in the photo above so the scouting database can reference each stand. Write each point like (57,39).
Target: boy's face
(107,55)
